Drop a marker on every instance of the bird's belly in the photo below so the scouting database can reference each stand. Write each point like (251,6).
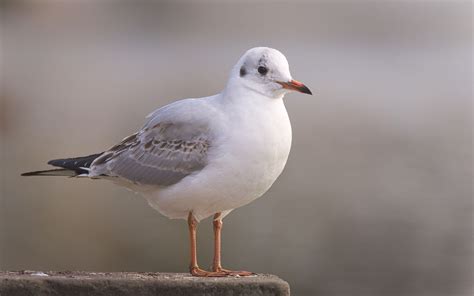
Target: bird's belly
(255,165)
(242,169)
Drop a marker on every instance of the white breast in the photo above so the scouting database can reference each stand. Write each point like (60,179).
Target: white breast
(259,146)
(249,154)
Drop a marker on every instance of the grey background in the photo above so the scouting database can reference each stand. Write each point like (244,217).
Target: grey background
(376,198)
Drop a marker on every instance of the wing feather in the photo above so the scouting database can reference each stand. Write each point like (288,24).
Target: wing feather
(167,149)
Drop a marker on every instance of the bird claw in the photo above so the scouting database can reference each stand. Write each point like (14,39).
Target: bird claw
(234,272)
(198,272)
(220,272)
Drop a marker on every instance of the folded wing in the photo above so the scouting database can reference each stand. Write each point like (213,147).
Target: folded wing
(172,145)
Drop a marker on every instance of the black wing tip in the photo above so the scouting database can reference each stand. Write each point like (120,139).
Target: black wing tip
(35,173)
(28,174)
(67,166)
(74,162)
(53,172)
(60,161)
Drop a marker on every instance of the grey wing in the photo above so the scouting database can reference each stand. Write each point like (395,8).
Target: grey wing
(161,154)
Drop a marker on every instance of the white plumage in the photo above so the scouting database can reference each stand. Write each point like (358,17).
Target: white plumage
(247,134)
(205,155)
(200,157)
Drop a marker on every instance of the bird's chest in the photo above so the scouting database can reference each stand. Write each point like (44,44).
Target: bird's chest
(258,148)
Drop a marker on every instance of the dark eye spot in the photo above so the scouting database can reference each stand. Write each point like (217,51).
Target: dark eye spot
(242,71)
(262,70)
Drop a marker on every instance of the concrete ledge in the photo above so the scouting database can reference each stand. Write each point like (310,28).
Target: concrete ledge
(72,283)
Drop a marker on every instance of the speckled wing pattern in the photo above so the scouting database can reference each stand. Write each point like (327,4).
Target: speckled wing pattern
(160,154)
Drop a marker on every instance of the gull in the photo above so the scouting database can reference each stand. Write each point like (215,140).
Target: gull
(202,157)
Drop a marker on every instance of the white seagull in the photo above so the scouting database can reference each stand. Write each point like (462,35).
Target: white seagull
(205,156)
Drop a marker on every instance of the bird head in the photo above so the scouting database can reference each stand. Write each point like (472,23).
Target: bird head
(266,71)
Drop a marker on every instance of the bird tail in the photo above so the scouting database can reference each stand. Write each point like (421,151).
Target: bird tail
(53,172)
(70,167)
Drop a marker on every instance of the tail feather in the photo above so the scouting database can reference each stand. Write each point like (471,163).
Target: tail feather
(70,167)
(53,172)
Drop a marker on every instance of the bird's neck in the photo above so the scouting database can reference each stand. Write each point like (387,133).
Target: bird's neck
(240,100)
(238,92)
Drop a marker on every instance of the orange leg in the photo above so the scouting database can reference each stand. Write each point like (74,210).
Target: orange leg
(216,264)
(217,222)
(194,267)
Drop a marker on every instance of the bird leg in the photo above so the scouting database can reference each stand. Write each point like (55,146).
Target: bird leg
(216,264)
(194,267)
(217,222)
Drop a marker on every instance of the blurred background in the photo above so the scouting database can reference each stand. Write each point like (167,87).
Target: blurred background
(376,198)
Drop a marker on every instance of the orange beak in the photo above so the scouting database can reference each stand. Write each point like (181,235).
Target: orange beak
(295,85)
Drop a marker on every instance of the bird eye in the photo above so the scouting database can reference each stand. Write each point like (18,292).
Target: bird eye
(262,70)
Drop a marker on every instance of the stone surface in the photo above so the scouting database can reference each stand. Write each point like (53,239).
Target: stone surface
(69,283)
